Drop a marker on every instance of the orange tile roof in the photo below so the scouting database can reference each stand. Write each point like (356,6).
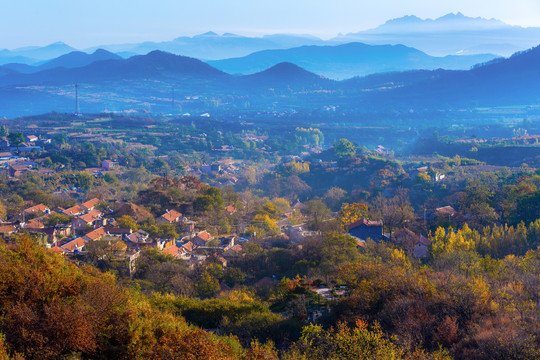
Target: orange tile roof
(230,209)
(189,246)
(236,248)
(7,229)
(58,250)
(96,234)
(91,203)
(74,244)
(36,208)
(74,210)
(34,224)
(95,212)
(366,222)
(88,218)
(174,251)
(171,215)
(204,235)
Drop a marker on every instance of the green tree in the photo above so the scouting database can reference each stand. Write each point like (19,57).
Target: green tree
(344,149)
(15,138)
(207,285)
(127,222)
(85,180)
(317,211)
(4,132)
(333,197)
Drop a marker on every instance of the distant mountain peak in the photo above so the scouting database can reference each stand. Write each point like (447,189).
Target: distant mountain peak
(449,22)
(208,33)
(452,16)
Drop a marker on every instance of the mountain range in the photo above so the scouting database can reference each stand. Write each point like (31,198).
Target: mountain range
(145,81)
(349,60)
(452,34)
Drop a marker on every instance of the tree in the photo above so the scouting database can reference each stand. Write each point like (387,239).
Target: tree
(343,149)
(3,211)
(234,276)
(343,343)
(351,213)
(15,138)
(333,197)
(317,211)
(4,132)
(395,212)
(85,180)
(262,226)
(127,222)
(56,218)
(206,286)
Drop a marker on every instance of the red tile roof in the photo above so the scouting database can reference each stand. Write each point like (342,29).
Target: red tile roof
(171,215)
(364,221)
(7,229)
(58,250)
(96,234)
(90,204)
(204,235)
(189,246)
(75,210)
(73,245)
(174,251)
(36,208)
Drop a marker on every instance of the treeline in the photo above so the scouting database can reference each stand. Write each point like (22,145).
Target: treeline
(52,309)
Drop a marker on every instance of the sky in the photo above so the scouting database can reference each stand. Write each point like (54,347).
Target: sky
(84,23)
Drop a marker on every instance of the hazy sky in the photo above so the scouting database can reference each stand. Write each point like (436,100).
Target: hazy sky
(84,23)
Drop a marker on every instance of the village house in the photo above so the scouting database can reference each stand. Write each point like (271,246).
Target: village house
(90,204)
(86,220)
(95,234)
(75,246)
(176,252)
(74,211)
(140,236)
(230,209)
(367,229)
(170,217)
(202,238)
(416,245)
(109,165)
(37,209)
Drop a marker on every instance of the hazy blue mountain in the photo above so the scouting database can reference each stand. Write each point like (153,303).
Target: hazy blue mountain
(154,65)
(6,71)
(77,59)
(7,58)
(69,61)
(286,76)
(145,81)
(33,54)
(348,60)
(450,34)
(213,46)
(500,82)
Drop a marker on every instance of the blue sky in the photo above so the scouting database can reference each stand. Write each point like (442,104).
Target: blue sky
(83,23)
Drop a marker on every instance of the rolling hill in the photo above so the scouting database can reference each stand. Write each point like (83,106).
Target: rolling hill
(348,60)
(145,82)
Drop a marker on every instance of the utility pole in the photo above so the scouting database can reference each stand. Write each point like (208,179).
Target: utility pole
(77,108)
(172,102)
